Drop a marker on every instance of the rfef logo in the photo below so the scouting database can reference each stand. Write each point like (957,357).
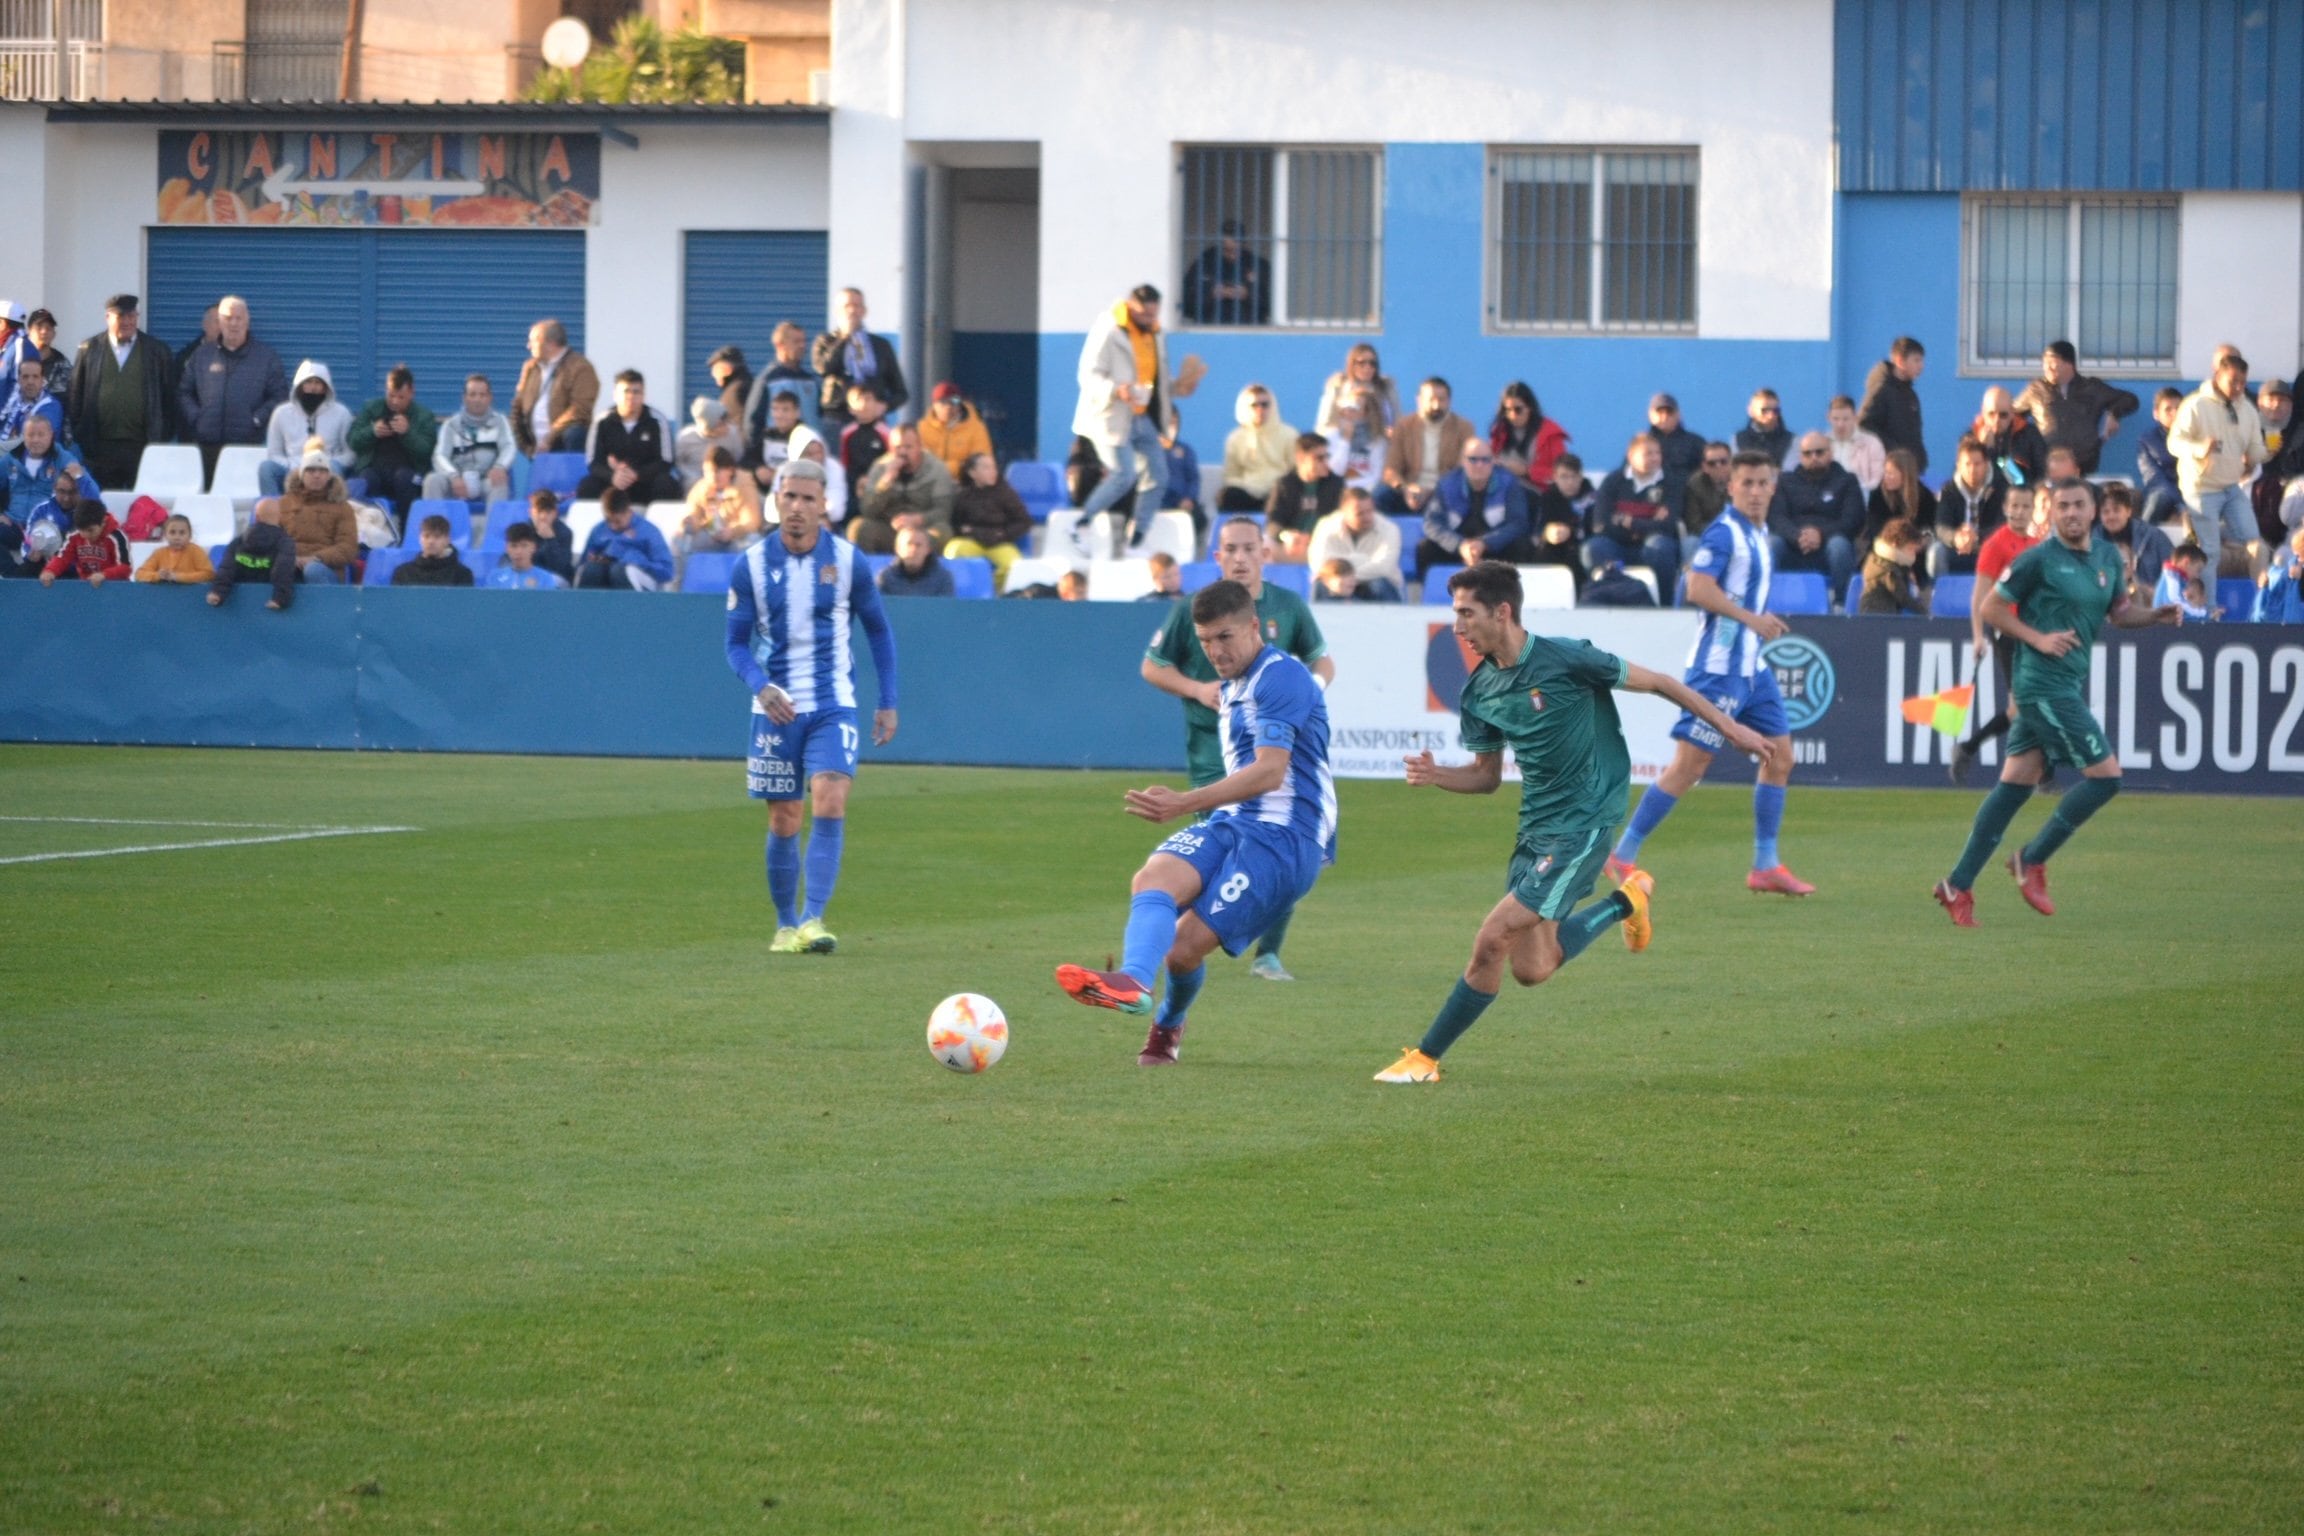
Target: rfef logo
(1803,676)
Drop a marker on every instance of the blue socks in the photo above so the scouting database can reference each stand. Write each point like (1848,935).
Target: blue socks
(824,841)
(1647,816)
(1767,821)
(2078,804)
(784,879)
(1462,1010)
(1579,928)
(1151,931)
(1181,990)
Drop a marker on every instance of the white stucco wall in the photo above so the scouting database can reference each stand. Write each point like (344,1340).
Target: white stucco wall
(2239,243)
(868,160)
(1108,90)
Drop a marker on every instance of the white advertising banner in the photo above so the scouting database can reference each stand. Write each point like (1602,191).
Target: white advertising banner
(1400,669)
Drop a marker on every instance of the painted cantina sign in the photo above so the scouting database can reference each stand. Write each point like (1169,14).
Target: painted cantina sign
(374,177)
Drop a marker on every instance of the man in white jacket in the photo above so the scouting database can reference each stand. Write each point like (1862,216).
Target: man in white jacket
(474,454)
(311,410)
(1125,407)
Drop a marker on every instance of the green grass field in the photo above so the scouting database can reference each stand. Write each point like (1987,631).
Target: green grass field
(491,1177)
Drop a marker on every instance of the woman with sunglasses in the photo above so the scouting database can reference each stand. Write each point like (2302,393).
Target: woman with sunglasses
(1527,443)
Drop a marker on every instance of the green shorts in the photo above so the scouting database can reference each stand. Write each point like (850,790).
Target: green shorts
(1203,757)
(1551,874)
(2062,727)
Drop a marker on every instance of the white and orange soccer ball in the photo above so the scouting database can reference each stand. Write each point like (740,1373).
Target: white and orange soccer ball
(967,1032)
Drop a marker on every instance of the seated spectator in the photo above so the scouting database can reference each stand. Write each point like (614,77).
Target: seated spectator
(1072,587)
(1527,442)
(723,512)
(552,406)
(989,520)
(473,451)
(177,559)
(1967,513)
(916,571)
(96,553)
(1611,586)
(436,563)
(1370,542)
(34,466)
(2282,599)
(1361,384)
(1683,451)
(1180,489)
(1357,442)
(2156,465)
(31,396)
(1167,578)
(790,372)
(2012,444)
(518,570)
(905,482)
(30,538)
(630,449)
(1817,517)
(709,427)
(2071,410)
(316,512)
(1705,496)
(1333,582)
(1562,515)
(2144,549)
(864,441)
(1889,585)
(1764,430)
(952,430)
(625,552)
(1421,449)
(262,553)
(732,377)
(1632,517)
(1228,284)
(1474,513)
(1900,494)
(806,444)
(1258,452)
(395,440)
(770,445)
(2182,584)
(1300,498)
(1854,449)
(555,546)
(2276,408)
(311,410)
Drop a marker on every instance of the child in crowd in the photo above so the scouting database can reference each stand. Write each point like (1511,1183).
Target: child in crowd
(1889,584)
(436,564)
(97,552)
(1167,578)
(518,571)
(765,456)
(555,546)
(2282,600)
(1335,582)
(177,559)
(1562,514)
(263,553)
(2181,583)
(2156,462)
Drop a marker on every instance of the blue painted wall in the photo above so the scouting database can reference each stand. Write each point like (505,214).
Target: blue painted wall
(1595,386)
(2127,95)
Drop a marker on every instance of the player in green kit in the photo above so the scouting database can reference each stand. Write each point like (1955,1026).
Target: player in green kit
(2052,601)
(1175,664)
(1553,703)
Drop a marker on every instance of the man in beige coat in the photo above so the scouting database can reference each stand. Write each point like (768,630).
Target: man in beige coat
(1424,447)
(2217,438)
(552,408)
(1125,406)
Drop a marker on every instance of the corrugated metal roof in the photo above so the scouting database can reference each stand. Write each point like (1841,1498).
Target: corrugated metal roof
(2079,95)
(529,114)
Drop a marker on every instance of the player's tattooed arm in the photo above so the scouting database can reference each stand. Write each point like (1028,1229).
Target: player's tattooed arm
(1478,777)
(2128,615)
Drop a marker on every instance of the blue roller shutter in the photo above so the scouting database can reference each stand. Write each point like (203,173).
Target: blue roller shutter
(739,285)
(446,302)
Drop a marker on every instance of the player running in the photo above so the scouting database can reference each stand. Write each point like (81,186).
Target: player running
(1174,664)
(790,600)
(1271,827)
(1728,578)
(1552,703)
(2052,600)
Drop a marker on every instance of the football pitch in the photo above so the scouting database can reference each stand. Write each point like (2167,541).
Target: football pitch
(438,1147)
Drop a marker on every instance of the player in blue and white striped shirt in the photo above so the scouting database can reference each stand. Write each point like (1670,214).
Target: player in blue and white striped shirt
(790,602)
(1728,578)
(1271,828)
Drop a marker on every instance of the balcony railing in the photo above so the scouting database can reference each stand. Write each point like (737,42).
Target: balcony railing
(275,71)
(37,69)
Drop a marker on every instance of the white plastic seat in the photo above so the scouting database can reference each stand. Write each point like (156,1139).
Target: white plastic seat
(582,518)
(1057,536)
(236,472)
(667,516)
(1118,581)
(168,470)
(1550,586)
(212,518)
(1171,533)
(1647,578)
(1023,573)
(118,502)
(140,552)
(1211,486)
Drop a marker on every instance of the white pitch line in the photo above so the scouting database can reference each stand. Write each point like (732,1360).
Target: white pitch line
(213,842)
(142,821)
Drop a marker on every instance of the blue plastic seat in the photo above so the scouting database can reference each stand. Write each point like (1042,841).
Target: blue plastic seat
(971,576)
(1436,585)
(558,473)
(1797,592)
(501,515)
(458,513)
(1950,599)
(382,563)
(1199,573)
(1411,534)
(1854,594)
(1039,485)
(482,564)
(708,573)
(1296,578)
(2236,595)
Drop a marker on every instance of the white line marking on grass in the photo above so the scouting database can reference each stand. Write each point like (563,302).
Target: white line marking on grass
(213,842)
(140,821)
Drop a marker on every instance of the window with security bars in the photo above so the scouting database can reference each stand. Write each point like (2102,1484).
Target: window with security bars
(2098,272)
(1279,237)
(1592,240)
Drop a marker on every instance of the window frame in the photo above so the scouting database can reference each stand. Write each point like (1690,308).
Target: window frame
(1281,323)
(1593,322)
(1973,364)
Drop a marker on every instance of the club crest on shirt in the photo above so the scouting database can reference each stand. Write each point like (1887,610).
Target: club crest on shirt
(827,574)
(1272,630)
(1535,698)
(1544,864)
(2102,580)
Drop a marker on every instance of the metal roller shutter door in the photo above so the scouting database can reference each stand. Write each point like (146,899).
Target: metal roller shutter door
(739,285)
(445,302)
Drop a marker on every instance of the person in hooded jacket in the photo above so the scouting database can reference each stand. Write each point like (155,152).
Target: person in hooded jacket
(310,411)
(316,512)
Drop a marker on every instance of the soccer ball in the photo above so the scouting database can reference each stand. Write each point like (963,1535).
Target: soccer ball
(967,1032)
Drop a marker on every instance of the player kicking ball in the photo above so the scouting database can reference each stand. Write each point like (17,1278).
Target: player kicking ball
(1728,578)
(1271,828)
(2052,601)
(1553,703)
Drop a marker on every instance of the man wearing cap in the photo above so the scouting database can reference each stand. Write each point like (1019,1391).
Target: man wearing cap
(231,386)
(2071,409)
(1683,450)
(2276,408)
(952,430)
(1229,284)
(2217,438)
(15,344)
(120,401)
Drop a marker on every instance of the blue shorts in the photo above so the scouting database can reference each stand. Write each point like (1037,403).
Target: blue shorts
(1749,701)
(785,757)
(1248,876)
